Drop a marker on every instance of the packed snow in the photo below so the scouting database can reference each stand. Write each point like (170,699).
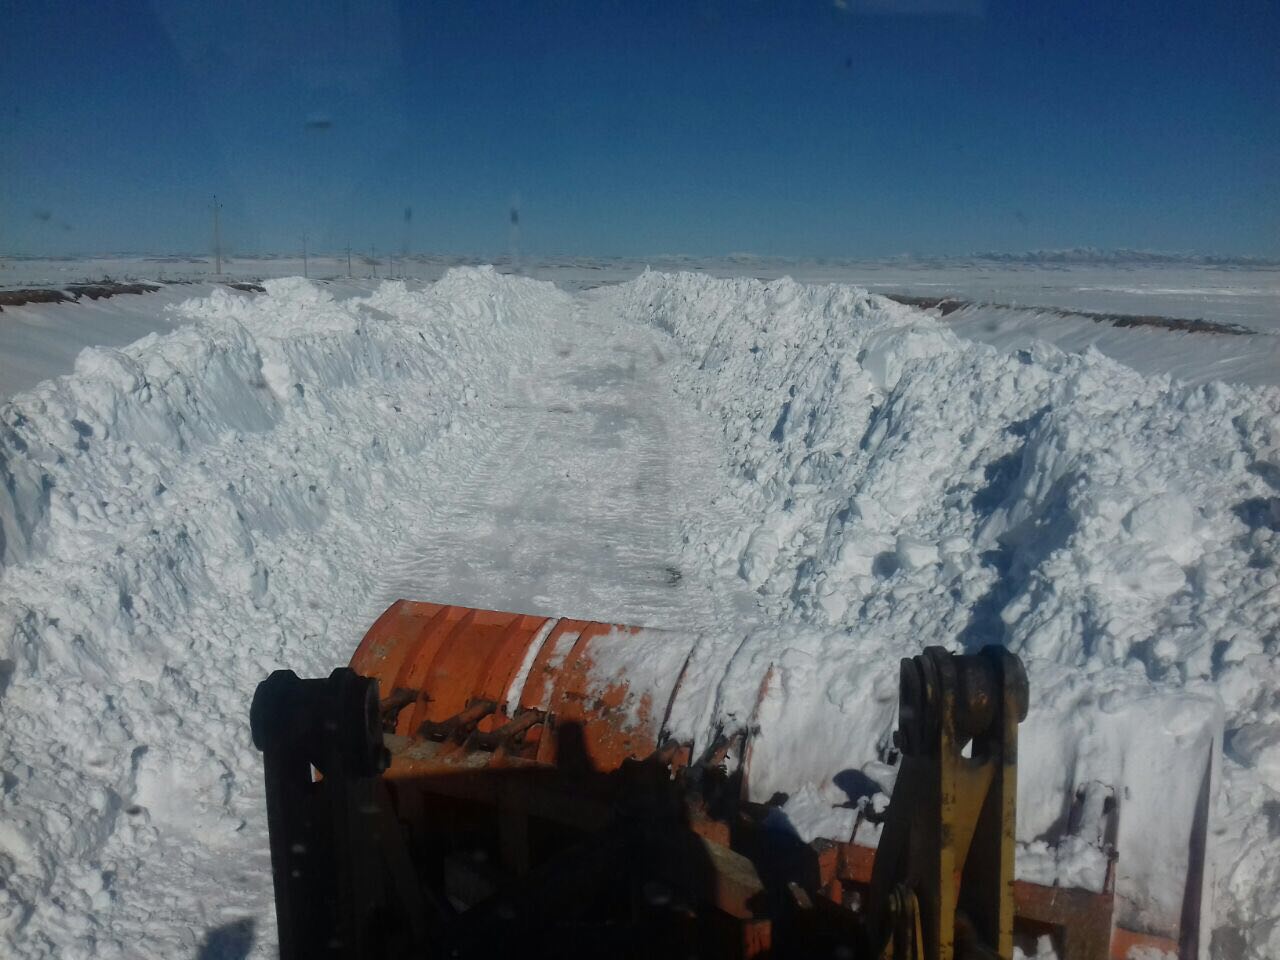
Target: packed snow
(808,478)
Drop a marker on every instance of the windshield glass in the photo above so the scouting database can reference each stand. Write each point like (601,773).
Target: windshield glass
(814,334)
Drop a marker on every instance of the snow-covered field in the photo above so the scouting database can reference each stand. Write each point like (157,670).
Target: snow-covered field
(1010,302)
(811,477)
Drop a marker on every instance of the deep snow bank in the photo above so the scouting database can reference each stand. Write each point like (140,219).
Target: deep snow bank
(188,513)
(910,488)
(180,517)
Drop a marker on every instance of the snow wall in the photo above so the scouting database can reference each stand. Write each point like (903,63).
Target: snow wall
(180,517)
(913,488)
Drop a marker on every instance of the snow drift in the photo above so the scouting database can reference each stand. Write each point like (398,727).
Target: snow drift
(1119,532)
(180,517)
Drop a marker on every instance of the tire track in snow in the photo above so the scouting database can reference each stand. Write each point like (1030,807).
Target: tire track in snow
(577,502)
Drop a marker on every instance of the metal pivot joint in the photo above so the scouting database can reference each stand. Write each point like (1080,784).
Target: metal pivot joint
(949,836)
(335,853)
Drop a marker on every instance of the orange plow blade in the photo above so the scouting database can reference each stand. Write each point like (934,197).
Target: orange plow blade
(467,694)
(471,687)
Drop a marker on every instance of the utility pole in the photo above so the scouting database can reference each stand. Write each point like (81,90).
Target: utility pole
(305,274)
(217,237)
(348,261)
(515,234)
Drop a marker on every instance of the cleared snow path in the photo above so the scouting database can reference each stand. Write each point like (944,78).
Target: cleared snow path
(577,504)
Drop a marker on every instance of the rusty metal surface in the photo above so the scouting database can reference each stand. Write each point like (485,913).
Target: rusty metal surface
(447,674)
(949,831)
(468,691)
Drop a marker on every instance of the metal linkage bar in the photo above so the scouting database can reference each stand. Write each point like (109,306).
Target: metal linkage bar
(335,849)
(949,836)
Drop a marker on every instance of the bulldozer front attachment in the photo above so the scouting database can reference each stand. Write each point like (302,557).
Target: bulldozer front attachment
(509,683)
(479,782)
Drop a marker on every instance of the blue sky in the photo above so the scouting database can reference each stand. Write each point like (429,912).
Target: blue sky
(863,128)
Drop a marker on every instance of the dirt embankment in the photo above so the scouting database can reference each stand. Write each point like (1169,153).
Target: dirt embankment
(949,305)
(73,293)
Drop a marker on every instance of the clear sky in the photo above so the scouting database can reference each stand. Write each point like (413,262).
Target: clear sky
(857,128)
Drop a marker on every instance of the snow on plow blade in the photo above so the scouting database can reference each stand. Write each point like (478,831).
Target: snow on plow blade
(559,724)
(447,672)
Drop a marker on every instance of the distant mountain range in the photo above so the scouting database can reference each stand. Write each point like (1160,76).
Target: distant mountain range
(1092,255)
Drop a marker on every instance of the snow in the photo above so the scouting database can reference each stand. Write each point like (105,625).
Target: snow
(909,487)
(1195,358)
(803,483)
(203,525)
(39,341)
(516,689)
(1013,301)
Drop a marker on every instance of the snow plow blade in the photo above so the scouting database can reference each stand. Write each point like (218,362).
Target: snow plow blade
(450,672)
(479,782)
